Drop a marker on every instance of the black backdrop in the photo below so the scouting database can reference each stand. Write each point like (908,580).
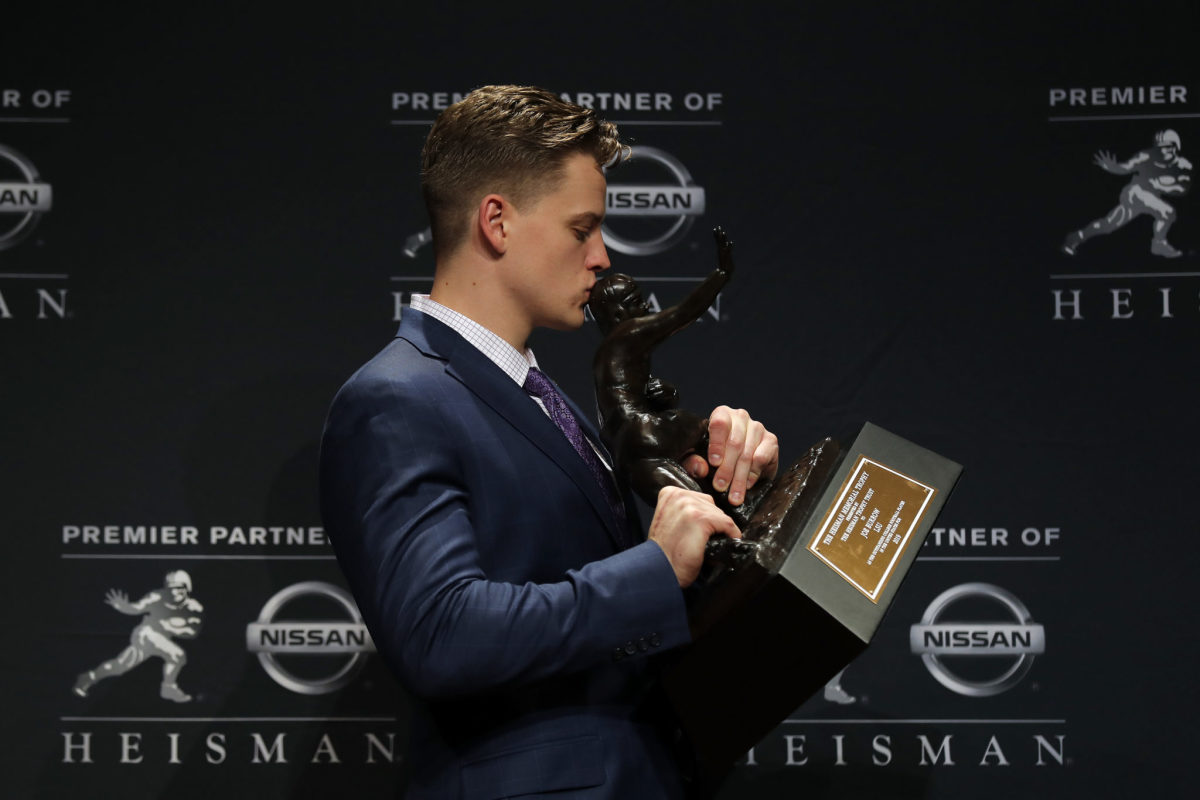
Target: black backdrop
(232,193)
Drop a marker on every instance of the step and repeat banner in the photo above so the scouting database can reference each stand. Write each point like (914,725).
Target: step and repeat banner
(972,228)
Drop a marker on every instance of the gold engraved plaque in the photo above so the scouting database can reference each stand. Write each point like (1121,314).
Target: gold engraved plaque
(869,524)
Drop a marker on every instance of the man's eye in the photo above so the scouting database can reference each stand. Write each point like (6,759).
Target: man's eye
(582,234)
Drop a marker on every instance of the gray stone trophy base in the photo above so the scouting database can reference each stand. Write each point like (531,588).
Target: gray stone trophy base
(775,616)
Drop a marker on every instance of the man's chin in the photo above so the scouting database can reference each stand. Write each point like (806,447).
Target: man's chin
(572,323)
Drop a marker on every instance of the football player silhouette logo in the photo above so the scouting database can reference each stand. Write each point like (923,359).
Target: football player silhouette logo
(167,614)
(1159,173)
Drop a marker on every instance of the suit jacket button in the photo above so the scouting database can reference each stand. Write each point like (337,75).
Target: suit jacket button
(643,645)
(618,654)
(630,648)
(654,640)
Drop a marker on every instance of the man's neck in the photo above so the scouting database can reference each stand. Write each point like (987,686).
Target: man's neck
(480,301)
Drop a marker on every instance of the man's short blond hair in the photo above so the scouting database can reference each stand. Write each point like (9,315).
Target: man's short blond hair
(508,140)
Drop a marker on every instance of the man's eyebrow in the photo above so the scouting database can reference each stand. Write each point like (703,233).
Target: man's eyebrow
(589,218)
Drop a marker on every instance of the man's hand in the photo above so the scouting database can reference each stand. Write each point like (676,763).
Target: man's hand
(682,524)
(741,450)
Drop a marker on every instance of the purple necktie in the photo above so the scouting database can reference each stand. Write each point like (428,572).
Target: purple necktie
(541,387)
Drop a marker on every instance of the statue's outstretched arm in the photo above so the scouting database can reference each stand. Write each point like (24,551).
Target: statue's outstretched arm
(654,328)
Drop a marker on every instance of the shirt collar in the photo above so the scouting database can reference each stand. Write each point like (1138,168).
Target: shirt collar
(515,364)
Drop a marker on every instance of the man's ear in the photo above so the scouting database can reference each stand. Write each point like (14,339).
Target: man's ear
(492,221)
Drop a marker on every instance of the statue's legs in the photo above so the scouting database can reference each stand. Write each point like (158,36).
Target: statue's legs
(651,474)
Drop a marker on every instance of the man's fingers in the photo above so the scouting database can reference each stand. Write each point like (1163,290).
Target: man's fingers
(728,526)
(719,424)
(741,471)
(669,496)
(709,521)
(734,424)
(741,450)
(766,457)
(695,465)
(682,525)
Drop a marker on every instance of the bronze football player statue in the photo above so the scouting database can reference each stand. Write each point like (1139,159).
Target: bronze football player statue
(649,436)
(641,422)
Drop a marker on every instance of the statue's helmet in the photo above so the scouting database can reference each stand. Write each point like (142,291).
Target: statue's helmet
(179,580)
(612,287)
(611,298)
(1168,138)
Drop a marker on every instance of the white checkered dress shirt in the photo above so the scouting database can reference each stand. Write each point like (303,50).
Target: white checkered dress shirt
(516,365)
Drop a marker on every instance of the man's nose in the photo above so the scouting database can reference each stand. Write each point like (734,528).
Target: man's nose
(600,260)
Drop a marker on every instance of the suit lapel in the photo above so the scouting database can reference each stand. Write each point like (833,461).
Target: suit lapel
(627,535)
(489,383)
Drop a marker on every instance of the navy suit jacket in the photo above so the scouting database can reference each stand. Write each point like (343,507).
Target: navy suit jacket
(495,579)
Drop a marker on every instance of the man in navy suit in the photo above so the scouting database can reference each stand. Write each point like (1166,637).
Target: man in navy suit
(496,559)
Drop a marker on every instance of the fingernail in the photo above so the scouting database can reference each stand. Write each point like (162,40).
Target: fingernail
(735,497)
(719,484)
(714,459)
